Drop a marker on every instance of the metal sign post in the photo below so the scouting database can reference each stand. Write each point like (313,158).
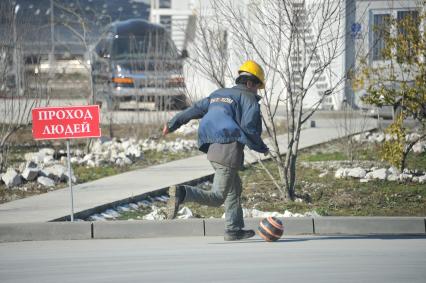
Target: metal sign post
(70,179)
(71,122)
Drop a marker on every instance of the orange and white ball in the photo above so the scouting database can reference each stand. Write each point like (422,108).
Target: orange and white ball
(270,229)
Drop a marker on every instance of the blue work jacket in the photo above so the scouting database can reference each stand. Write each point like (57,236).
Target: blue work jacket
(227,115)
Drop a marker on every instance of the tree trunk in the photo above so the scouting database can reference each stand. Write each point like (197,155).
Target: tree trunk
(407,151)
(292,177)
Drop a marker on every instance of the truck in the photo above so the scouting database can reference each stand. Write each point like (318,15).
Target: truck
(136,65)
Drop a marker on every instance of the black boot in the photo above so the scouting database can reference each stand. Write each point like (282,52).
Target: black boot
(238,235)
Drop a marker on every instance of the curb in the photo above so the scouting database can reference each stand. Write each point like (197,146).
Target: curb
(15,232)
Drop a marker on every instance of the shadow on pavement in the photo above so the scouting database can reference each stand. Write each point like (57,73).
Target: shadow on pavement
(321,238)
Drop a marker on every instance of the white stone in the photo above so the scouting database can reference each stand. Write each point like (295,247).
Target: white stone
(48,160)
(96,147)
(363,180)
(110,214)
(422,179)
(30,174)
(144,203)
(79,152)
(119,162)
(34,156)
(161,198)
(380,138)
(258,213)
(393,170)
(312,214)
(127,161)
(45,181)
(190,128)
(380,174)
(290,214)
(124,208)
(88,157)
(122,155)
(185,213)
(369,176)
(134,152)
(56,172)
(161,147)
(125,145)
(358,173)
(405,177)
(357,138)
(97,217)
(323,174)
(393,177)
(24,189)
(341,173)
(47,151)
(412,137)
(11,178)
(156,214)
(134,206)
(419,147)
(91,163)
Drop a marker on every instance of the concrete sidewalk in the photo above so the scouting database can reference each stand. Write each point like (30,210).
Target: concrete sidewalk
(131,186)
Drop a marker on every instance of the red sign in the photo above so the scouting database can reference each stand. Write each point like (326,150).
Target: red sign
(72,122)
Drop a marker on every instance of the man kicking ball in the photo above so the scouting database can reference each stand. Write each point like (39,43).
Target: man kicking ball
(230,119)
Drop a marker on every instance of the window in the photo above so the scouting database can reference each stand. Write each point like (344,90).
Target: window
(165,4)
(166,21)
(380,29)
(408,30)
(401,15)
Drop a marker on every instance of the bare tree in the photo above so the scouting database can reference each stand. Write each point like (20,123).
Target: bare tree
(210,56)
(20,89)
(83,23)
(299,43)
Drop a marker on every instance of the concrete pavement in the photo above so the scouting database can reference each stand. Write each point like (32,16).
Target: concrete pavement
(132,186)
(210,259)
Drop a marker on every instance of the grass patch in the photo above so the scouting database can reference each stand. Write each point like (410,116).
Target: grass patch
(329,196)
(134,214)
(324,156)
(84,174)
(416,161)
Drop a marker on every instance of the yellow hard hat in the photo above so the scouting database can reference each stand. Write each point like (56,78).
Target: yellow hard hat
(254,69)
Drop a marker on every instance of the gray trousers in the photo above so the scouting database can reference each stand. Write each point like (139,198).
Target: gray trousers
(226,189)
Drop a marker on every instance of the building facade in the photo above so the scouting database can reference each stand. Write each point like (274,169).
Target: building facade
(354,29)
(370,17)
